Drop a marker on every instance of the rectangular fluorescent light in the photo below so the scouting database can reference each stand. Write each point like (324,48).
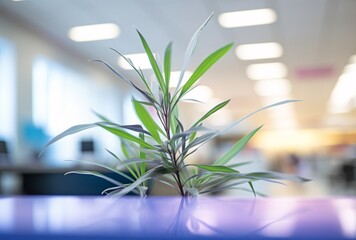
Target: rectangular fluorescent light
(247,18)
(350,68)
(140,60)
(94,32)
(343,94)
(273,87)
(353,59)
(259,51)
(173,82)
(200,93)
(266,71)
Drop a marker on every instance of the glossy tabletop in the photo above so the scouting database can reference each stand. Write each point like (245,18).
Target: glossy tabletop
(173,217)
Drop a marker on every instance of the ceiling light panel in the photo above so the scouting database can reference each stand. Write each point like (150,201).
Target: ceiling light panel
(343,94)
(140,60)
(262,71)
(247,18)
(353,59)
(200,93)
(350,68)
(175,78)
(259,51)
(273,87)
(94,32)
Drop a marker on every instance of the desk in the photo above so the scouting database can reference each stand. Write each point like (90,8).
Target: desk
(59,217)
(42,180)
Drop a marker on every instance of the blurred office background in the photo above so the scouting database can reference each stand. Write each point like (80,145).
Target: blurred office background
(296,49)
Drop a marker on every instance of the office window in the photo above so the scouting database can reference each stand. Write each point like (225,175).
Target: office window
(7,92)
(63,98)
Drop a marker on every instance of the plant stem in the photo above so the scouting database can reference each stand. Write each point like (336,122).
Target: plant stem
(172,154)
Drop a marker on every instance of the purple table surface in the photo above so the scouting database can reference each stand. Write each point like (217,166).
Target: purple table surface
(59,217)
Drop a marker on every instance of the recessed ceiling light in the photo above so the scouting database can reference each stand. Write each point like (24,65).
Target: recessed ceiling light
(175,78)
(350,68)
(247,18)
(353,59)
(343,94)
(273,87)
(200,93)
(140,60)
(94,32)
(259,51)
(266,71)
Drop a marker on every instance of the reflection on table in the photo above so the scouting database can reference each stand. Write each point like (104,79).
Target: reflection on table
(174,217)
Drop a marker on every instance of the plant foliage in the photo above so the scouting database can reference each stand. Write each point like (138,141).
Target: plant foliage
(157,150)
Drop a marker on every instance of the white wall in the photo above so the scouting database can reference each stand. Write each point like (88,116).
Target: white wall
(28,45)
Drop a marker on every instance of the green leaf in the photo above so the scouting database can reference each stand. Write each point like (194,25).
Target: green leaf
(147,121)
(139,72)
(101,117)
(142,156)
(215,168)
(153,62)
(252,188)
(235,149)
(67,132)
(173,119)
(122,134)
(208,114)
(167,65)
(204,66)
(211,111)
(125,151)
(114,71)
(190,50)
(148,175)
(199,140)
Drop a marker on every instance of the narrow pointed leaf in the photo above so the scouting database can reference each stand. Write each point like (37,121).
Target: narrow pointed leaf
(208,114)
(204,66)
(67,132)
(153,62)
(252,188)
(114,71)
(188,132)
(148,175)
(139,72)
(190,50)
(199,140)
(147,121)
(146,95)
(125,135)
(211,168)
(173,119)
(101,117)
(235,149)
(167,65)
(211,111)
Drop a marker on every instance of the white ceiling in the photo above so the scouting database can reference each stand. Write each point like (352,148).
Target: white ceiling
(313,34)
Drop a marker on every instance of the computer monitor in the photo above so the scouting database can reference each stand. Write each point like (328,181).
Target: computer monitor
(4,153)
(87,146)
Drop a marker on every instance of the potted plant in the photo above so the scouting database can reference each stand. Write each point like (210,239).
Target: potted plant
(160,148)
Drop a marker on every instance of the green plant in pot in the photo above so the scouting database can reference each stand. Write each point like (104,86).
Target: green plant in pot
(158,150)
